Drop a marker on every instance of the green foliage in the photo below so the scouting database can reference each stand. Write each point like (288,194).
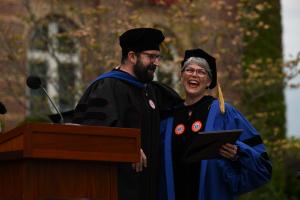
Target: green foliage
(262,63)
(262,88)
(263,98)
(36,118)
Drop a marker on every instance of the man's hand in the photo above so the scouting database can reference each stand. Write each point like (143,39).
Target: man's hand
(138,167)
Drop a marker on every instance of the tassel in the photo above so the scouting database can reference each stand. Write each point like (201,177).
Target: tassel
(221,99)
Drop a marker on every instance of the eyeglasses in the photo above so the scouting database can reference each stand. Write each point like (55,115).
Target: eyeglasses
(152,56)
(199,72)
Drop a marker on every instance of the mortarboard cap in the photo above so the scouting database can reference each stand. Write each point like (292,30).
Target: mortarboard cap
(141,39)
(210,60)
(212,65)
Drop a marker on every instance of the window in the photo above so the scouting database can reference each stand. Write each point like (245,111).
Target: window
(168,71)
(54,56)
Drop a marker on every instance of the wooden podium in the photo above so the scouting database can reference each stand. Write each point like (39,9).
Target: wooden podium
(64,162)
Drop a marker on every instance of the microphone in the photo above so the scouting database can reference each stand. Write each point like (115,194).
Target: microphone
(34,82)
(2,112)
(2,109)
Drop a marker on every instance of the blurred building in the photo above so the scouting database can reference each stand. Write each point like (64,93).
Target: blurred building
(68,43)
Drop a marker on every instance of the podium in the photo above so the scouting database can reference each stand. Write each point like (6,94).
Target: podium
(42,161)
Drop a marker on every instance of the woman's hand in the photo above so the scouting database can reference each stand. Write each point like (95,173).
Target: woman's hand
(229,151)
(138,167)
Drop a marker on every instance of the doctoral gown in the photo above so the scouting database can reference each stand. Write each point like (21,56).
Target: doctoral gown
(221,179)
(117,99)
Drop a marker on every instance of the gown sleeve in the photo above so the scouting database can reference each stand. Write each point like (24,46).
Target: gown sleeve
(253,167)
(97,106)
(167,99)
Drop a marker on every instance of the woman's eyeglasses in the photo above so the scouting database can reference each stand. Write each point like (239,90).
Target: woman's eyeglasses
(191,71)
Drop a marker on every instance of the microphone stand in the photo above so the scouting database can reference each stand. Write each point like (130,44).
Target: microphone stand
(61,117)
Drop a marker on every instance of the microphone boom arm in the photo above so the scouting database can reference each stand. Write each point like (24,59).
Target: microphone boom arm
(53,104)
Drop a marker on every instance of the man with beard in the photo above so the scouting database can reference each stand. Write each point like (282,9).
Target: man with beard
(127,97)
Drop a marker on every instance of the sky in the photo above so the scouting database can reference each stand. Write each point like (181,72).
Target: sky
(291,46)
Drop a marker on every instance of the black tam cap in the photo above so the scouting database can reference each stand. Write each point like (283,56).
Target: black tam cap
(209,59)
(141,39)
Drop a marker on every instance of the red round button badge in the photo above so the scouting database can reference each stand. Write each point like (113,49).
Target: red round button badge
(196,126)
(179,129)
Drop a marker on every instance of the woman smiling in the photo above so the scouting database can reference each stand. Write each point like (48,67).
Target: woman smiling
(242,166)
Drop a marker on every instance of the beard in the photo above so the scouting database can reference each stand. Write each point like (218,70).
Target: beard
(144,73)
